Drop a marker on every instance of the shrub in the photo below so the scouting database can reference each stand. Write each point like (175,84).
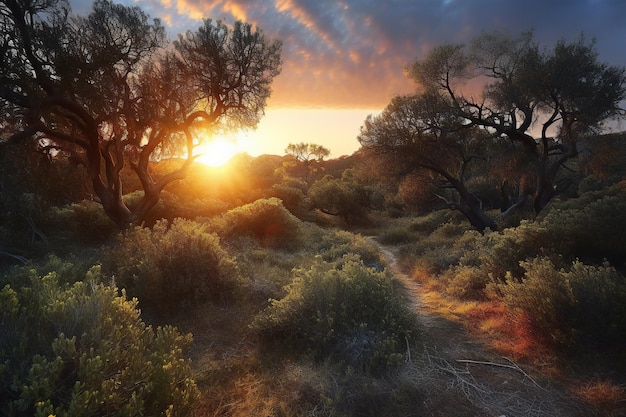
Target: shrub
(590,227)
(501,252)
(267,220)
(583,308)
(292,192)
(85,220)
(468,283)
(335,245)
(396,236)
(544,298)
(83,350)
(343,311)
(345,198)
(429,223)
(600,311)
(173,264)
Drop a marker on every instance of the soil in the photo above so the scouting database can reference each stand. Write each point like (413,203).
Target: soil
(463,376)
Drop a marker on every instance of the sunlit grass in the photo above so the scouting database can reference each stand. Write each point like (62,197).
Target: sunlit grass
(605,397)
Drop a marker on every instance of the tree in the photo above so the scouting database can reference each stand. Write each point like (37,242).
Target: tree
(307,154)
(109,91)
(419,133)
(345,197)
(457,118)
(542,100)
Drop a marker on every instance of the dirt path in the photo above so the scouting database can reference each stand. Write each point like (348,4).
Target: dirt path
(466,378)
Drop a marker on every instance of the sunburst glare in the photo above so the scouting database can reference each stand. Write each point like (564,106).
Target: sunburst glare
(219,150)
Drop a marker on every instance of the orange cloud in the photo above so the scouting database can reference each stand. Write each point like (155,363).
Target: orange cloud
(351,53)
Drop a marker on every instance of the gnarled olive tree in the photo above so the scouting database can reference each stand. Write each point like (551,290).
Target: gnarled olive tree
(506,88)
(109,90)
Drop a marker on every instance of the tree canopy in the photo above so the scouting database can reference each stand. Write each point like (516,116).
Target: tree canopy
(108,90)
(307,154)
(496,91)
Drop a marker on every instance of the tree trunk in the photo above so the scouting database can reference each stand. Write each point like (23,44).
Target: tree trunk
(471,207)
(544,194)
(477,218)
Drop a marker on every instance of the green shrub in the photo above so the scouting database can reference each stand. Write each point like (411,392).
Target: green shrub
(431,222)
(82,350)
(396,236)
(343,311)
(172,265)
(599,316)
(292,193)
(344,197)
(545,299)
(267,220)
(85,220)
(335,245)
(590,227)
(580,308)
(468,283)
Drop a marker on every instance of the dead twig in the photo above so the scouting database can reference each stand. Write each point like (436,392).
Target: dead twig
(512,365)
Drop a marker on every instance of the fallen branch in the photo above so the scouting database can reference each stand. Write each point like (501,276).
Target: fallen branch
(500,365)
(513,366)
(525,374)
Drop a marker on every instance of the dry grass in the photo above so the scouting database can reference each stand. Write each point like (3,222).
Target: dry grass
(605,398)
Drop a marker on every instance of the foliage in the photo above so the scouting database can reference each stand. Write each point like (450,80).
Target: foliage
(266,220)
(580,308)
(85,221)
(24,168)
(397,236)
(83,350)
(292,193)
(589,227)
(112,93)
(343,311)
(604,156)
(451,135)
(334,245)
(467,283)
(344,197)
(172,265)
(308,156)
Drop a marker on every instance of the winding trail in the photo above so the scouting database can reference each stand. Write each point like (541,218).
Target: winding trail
(471,378)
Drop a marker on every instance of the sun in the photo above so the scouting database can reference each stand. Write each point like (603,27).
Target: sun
(217,151)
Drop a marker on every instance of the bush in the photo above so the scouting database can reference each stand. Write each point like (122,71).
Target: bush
(85,220)
(292,192)
(502,252)
(345,198)
(590,227)
(343,311)
(583,308)
(468,283)
(396,236)
(600,310)
(174,264)
(82,350)
(544,298)
(335,245)
(266,220)
(431,222)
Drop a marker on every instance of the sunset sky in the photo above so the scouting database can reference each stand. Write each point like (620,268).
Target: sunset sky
(343,60)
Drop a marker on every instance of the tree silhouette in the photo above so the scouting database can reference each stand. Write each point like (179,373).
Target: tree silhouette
(109,91)
(543,101)
(307,154)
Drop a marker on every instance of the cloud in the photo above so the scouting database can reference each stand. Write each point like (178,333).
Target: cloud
(351,53)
